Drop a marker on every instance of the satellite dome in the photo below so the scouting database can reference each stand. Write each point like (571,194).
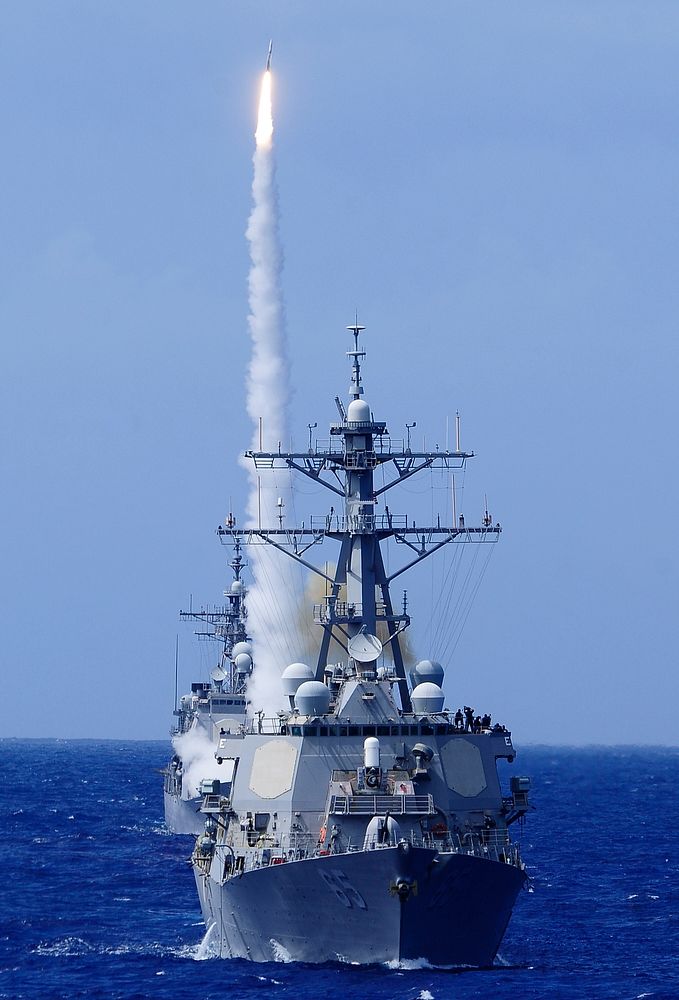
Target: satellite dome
(241,647)
(428,670)
(427,699)
(358,411)
(237,587)
(243,663)
(312,698)
(294,675)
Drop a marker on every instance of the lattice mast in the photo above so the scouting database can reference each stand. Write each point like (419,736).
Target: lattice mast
(363,446)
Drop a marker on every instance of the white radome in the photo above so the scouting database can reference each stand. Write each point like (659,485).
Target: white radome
(358,411)
(312,698)
(427,699)
(294,675)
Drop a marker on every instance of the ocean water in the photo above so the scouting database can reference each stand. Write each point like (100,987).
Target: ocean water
(97,900)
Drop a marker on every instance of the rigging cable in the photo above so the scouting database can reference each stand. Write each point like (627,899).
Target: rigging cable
(470,602)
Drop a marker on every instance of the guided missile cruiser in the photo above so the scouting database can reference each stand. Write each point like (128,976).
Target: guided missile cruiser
(268,58)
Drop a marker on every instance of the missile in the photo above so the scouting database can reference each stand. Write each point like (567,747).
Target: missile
(268,58)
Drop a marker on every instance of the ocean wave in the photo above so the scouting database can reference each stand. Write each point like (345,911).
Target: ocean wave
(65,948)
(409,964)
(73,947)
(418,964)
(157,829)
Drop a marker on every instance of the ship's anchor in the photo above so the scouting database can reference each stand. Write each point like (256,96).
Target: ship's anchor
(403,889)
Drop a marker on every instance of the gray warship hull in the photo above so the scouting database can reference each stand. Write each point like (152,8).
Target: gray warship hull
(392,904)
(364,823)
(182,816)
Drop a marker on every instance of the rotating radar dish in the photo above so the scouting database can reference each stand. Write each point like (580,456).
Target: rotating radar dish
(364,647)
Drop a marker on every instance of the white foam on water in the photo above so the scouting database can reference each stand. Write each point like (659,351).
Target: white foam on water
(147,948)
(425,995)
(409,964)
(69,946)
(280,952)
(208,947)
(417,964)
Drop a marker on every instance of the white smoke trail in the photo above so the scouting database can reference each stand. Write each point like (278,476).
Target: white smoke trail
(273,599)
(197,754)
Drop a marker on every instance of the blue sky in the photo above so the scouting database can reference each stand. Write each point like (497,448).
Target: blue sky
(493,186)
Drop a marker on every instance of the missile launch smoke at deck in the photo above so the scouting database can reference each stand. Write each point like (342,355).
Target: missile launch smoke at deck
(272,606)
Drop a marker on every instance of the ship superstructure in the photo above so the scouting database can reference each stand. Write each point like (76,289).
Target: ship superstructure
(365,822)
(211,706)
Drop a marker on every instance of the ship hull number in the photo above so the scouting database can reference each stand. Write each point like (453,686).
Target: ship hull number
(343,889)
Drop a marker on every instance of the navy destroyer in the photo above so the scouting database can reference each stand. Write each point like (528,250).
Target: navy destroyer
(210,706)
(365,822)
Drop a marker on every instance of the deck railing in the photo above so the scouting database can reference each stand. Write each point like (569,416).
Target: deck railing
(380,805)
(490,845)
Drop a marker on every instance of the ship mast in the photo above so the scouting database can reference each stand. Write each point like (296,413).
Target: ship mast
(363,446)
(226,624)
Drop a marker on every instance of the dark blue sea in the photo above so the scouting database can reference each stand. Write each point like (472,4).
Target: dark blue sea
(98,900)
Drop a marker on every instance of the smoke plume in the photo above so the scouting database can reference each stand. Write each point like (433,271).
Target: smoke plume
(274,596)
(197,752)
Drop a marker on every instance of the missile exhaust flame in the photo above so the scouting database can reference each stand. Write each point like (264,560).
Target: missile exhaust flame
(264,131)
